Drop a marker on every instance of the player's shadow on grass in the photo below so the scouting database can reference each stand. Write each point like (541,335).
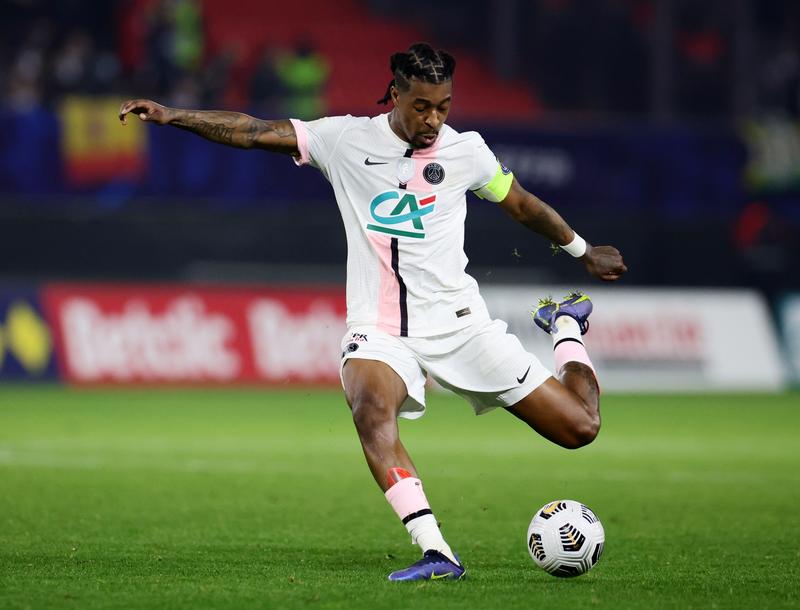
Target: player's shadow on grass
(522,571)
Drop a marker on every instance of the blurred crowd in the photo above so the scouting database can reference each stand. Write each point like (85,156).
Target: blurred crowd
(778,70)
(713,51)
(47,51)
(153,48)
(685,59)
(580,56)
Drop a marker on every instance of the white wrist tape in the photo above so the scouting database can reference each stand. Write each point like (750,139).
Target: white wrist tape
(577,247)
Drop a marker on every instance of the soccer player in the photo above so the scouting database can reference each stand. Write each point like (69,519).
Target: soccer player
(400,181)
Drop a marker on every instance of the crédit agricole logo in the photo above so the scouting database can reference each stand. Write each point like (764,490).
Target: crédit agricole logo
(405,212)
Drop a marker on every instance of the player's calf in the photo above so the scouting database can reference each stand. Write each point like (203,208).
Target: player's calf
(584,427)
(376,424)
(373,417)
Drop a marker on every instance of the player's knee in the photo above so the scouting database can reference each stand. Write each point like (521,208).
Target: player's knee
(371,413)
(583,433)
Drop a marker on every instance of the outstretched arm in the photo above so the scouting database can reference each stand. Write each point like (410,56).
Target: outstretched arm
(231,128)
(604,262)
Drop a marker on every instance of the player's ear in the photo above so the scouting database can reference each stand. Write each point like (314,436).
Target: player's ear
(395,94)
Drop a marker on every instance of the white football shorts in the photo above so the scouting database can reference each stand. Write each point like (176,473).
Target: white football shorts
(482,363)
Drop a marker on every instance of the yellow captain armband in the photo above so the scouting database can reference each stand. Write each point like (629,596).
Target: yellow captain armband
(497,188)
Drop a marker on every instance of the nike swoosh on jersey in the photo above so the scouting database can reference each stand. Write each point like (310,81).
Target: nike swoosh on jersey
(521,379)
(368,162)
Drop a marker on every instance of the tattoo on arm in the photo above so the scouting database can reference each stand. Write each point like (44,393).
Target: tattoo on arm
(256,129)
(213,131)
(240,130)
(213,125)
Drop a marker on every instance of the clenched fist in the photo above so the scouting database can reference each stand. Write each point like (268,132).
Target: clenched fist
(604,262)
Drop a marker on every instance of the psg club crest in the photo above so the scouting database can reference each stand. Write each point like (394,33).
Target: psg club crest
(433,173)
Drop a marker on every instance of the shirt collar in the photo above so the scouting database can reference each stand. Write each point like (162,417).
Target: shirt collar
(383,122)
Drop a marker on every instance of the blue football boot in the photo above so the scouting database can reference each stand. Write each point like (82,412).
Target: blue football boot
(576,305)
(432,566)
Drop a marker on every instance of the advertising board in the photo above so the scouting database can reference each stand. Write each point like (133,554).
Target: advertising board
(185,334)
(663,340)
(790,329)
(26,341)
(639,339)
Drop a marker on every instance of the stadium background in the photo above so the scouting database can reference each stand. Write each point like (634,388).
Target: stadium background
(140,256)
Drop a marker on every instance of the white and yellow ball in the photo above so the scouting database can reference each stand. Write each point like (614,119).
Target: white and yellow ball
(565,538)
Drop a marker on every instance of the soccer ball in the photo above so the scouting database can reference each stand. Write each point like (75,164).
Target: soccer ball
(565,538)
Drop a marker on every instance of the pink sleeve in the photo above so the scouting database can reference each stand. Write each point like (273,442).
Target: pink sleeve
(302,141)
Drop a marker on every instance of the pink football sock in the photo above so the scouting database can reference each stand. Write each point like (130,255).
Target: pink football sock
(408,500)
(570,350)
(411,506)
(568,345)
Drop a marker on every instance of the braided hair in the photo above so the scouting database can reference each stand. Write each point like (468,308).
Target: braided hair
(422,62)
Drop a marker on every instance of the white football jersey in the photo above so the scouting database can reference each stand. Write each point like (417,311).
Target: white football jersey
(403,211)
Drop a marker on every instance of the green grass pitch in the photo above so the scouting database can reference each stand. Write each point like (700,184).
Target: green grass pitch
(261,499)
